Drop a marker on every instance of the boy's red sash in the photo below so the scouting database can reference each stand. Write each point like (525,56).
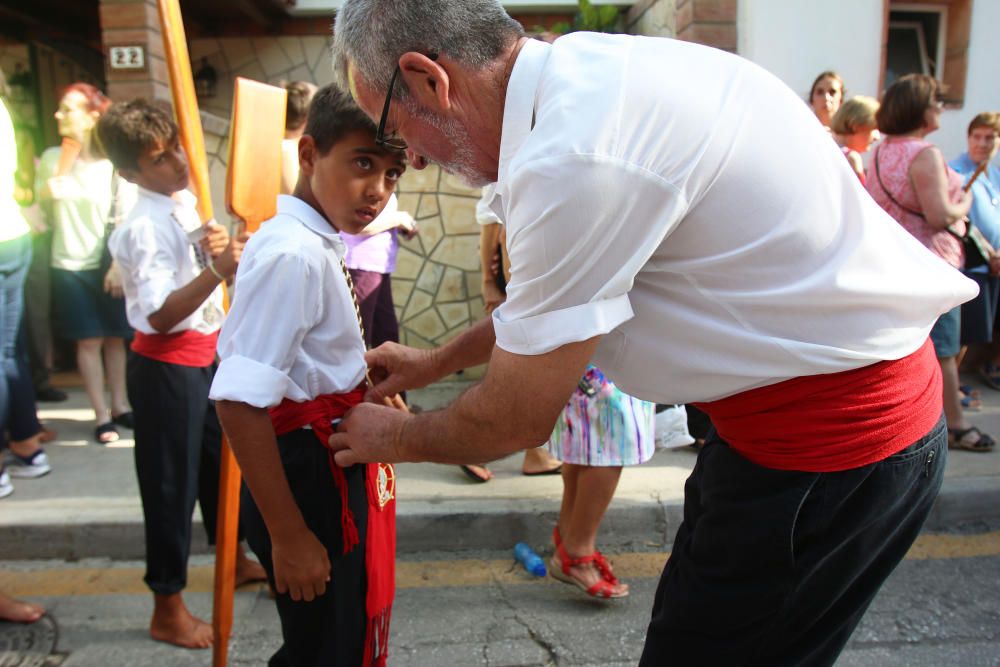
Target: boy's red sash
(380,487)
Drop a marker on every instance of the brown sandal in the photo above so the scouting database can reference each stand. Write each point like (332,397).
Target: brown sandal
(970,439)
(603,589)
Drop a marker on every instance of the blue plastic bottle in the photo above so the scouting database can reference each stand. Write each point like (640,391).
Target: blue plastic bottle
(531,561)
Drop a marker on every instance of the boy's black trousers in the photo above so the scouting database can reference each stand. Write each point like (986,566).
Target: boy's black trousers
(177,444)
(329,630)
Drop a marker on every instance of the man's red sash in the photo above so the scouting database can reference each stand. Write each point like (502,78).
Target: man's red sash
(380,487)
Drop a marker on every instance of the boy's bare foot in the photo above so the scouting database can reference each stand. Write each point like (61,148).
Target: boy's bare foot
(174,624)
(248,571)
(18,611)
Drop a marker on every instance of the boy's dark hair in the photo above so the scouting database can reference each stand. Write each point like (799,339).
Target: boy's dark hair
(332,115)
(300,94)
(129,128)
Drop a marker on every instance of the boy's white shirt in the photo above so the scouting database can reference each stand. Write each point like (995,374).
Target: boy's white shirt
(156,255)
(292,331)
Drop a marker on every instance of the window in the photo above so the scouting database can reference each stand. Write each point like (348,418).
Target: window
(916,43)
(928,37)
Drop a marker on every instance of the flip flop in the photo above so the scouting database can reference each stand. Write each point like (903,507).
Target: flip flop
(551,471)
(106,433)
(125,419)
(474,476)
(970,439)
(990,374)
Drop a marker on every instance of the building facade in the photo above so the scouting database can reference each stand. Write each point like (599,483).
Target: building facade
(437,282)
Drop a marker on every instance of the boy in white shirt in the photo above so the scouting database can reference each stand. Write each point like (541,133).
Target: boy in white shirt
(292,363)
(171,270)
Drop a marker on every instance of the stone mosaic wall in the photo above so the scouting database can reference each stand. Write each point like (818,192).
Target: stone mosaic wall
(436,286)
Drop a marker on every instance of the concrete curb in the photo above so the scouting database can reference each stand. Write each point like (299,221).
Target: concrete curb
(495,525)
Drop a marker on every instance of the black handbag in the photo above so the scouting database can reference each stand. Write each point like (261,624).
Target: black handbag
(978,250)
(114,217)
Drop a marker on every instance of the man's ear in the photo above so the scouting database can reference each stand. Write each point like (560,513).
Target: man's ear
(307,154)
(427,81)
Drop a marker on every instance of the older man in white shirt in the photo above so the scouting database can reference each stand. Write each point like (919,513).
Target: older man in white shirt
(676,214)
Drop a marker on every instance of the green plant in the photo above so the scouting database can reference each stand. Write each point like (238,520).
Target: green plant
(591,18)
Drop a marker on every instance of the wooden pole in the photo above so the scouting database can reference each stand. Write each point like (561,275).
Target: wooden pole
(185,102)
(193,141)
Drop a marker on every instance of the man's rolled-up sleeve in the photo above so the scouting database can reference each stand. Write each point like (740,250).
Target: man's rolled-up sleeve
(580,227)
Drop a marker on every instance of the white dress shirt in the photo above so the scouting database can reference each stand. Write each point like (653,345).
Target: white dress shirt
(156,254)
(683,203)
(292,331)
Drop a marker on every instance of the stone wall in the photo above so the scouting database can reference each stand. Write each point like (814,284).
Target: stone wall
(656,18)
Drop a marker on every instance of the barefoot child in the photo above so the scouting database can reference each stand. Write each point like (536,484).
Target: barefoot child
(174,302)
(292,361)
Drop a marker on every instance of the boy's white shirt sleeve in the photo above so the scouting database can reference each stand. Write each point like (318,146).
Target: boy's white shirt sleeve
(278,301)
(575,248)
(144,262)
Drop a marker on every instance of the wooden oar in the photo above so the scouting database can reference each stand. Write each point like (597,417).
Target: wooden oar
(252,184)
(193,141)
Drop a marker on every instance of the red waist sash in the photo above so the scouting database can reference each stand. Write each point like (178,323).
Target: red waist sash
(380,488)
(833,422)
(184,348)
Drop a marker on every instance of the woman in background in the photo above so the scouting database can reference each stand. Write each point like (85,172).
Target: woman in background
(825,96)
(77,194)
(855,130)
(18,414)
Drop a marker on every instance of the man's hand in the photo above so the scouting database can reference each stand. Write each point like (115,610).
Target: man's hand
(368,434)
(301,565)
(396,368)
(113,282)
(215,239)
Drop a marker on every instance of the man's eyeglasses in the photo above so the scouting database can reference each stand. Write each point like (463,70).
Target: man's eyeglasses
(391,142)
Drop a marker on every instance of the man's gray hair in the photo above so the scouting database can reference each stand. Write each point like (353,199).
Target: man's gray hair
(373,34)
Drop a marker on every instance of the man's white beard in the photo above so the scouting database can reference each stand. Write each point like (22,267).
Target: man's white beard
(462,157)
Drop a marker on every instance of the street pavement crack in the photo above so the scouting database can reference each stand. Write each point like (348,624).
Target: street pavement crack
(535,636)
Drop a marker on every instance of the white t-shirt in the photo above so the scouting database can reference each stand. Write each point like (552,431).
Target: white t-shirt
(683,203)
(292,331)
(156,257)
(79,216)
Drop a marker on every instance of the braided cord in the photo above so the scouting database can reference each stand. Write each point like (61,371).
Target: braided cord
(354,296)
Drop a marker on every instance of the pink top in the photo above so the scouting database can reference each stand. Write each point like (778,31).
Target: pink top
(894,157)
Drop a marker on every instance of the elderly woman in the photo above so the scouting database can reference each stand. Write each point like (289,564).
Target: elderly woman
(77,193)
(825,96)
(915,186)
(855,130)
(979,315)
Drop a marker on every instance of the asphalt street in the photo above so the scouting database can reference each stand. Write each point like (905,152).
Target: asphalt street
(941,607)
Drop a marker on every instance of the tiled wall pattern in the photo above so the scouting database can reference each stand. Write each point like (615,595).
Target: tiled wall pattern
(436,286)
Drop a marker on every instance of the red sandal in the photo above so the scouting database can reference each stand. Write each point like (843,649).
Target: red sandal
(604,587)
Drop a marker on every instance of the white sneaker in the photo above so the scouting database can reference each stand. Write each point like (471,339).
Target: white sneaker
(30,467)
(6,488)
(671,428)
